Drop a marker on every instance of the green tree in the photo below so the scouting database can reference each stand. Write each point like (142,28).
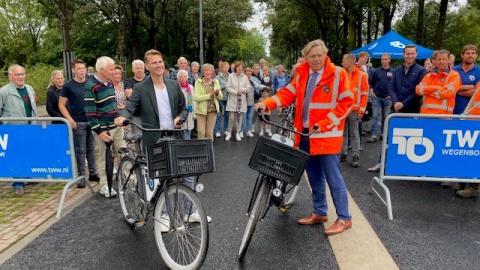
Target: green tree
(252,46)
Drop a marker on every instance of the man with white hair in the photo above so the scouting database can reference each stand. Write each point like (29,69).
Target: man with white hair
(17,99)
(101,110)
(138,68)
(182,63)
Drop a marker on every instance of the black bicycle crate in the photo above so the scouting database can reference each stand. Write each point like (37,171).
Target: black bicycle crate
(175,158)
(278,160)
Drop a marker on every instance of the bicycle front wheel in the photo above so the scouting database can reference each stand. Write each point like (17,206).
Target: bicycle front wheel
(128,179)
(290,196)
(255,214)
(181,232)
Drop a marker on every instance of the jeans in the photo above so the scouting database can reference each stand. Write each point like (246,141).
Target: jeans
(377,104)
(351,128)
(248,118)
(187,134)
(224,114)
(84,144)
(321,168)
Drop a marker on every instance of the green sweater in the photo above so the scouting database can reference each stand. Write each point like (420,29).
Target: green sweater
(100,105)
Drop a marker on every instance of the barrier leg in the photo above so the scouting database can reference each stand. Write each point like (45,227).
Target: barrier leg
(89,185)
(388,200)
(64,194)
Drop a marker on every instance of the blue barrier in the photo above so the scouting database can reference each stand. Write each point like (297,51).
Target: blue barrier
(39,152)
(419,147)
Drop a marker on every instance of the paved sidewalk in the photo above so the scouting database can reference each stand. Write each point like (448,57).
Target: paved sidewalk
(20,216)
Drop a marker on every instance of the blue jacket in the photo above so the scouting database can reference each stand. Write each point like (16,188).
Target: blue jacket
(402,87)
(381,80)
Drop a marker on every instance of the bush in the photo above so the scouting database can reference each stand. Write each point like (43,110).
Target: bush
(38,76)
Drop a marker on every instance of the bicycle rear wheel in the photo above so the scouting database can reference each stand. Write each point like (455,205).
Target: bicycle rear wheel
(129,192)
(290,196)
(255,214)
(183,241)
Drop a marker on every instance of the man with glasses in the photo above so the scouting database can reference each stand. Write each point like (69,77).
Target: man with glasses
(17,99)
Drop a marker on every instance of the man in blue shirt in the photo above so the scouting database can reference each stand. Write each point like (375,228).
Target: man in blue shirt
(470,75)
(380,84)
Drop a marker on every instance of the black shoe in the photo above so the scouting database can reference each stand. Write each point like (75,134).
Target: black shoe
(94,178)
(355,161)
(81,183)
(343,157)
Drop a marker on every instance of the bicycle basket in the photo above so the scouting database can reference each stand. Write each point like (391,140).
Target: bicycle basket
(278,160)
(176,158)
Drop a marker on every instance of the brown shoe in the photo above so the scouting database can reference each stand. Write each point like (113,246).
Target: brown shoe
(339,226)
(312,219)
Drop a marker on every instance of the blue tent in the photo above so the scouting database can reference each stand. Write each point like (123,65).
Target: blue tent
(392,43)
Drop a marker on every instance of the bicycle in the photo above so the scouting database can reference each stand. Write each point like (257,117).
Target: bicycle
(152,183)
(280,168)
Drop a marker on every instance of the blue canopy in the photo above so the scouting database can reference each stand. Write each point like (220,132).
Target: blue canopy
(392,43)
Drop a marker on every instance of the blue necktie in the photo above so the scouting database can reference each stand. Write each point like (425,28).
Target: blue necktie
(308,96)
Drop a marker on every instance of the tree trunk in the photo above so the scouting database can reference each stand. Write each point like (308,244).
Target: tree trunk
(121,29)
(369,24)
(359,19)
(351,25)
(388,12)
(441,24)
(65,24)
(419,34)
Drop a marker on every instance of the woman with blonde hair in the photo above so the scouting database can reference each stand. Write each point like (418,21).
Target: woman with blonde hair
(207,95)
(53,95)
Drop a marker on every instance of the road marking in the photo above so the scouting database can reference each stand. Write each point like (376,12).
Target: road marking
(359,247)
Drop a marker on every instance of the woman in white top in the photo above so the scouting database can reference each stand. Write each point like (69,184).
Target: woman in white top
(188,92)
(238,86)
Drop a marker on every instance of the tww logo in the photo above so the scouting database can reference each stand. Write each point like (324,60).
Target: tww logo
(3,141)
(407,139)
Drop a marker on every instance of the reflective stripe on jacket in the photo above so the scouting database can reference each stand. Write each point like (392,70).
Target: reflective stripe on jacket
(330,104)
(359,84)
(473,107)
(438,91)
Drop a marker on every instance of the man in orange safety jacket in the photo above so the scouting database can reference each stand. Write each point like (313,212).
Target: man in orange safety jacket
(323,97)
(438,87)
(359,84)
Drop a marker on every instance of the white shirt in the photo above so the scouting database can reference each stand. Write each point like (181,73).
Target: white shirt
(164,110)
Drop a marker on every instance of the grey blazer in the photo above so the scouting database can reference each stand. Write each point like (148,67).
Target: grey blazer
(143,97)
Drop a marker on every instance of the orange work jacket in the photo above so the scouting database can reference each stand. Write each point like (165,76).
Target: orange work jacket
(473,107)
(330,104)
(359,84)
(438,91)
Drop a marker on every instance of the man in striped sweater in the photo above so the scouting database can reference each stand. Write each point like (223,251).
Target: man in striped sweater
(101,110)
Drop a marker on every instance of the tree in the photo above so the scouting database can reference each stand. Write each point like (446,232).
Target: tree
(442,17)
(252,46)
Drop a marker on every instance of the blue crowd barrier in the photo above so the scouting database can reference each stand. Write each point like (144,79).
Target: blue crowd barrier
(425,147)
(38,152)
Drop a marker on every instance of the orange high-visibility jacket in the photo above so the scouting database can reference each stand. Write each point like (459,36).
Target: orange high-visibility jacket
(330,104)
(438,91)
(473,107)
(359,84)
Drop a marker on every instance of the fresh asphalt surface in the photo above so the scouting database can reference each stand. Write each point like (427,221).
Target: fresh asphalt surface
(432,229)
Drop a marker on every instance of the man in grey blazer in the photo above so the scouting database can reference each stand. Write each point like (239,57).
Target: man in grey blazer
(160,100)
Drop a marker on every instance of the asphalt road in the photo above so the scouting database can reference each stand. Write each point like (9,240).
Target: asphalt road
(432,229)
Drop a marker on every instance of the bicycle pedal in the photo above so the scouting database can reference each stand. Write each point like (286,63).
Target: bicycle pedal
(283,209)
(139,224)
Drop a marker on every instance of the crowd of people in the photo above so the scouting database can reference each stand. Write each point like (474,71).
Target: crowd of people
(209,103)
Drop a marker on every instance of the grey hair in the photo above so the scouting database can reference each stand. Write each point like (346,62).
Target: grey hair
(195,63)
(10,69)
(103,62)
(54,73)
(181,58)
(205,66)
(137,62)
(182,71)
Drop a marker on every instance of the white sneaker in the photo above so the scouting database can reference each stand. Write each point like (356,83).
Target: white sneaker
(195,217)
(250,134)
(238,137)
(269,133)
(225,133)
(218,135)
(241,134)
(104,191)
(228,135)
(164,223)
(261,133)
(252,130)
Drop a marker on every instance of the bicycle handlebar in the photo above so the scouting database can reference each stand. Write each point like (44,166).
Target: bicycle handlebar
(180,122)
(315,127)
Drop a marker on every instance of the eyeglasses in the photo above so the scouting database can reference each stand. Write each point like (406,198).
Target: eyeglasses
(19,74)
